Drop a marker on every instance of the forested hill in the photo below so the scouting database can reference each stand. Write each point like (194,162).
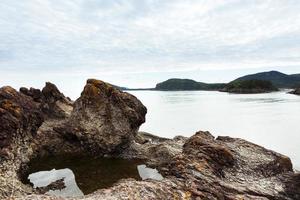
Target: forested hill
(278,79)
(187,84)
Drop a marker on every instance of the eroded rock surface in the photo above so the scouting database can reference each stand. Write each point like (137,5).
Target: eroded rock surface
(51,101)
(104,118)
(20,118)
(104,121)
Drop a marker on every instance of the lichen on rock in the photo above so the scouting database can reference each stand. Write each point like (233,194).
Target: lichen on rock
(104,118)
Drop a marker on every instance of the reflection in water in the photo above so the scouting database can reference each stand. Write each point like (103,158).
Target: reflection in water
(262,100)
(45,178)
(148,173)
(84,174)
(175,98)
(270,119)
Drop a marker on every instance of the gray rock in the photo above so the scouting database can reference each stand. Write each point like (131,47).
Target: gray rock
(104,118)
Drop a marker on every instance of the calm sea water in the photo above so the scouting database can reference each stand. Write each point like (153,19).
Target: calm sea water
(271,119)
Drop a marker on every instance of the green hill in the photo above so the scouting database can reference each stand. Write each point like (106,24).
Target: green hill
(249,86)
(278,79)
(176,84)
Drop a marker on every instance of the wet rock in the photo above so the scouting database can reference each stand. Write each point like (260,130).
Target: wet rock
(56,185)
(132,189)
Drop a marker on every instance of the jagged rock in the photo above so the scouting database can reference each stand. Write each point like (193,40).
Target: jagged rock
(36,94)
(104,118)
(51,101)
(230,168)
(55,103)
(19,117)
(202,146)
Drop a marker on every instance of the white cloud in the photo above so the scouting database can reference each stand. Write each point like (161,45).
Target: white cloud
(85,36)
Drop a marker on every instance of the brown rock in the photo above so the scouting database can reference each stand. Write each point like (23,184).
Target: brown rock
(19,116)
(51,101)
(36,94)
(203,146)
(104,118)
(56,185)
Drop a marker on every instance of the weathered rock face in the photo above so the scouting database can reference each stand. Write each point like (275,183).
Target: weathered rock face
(104,118)
(229,168)
(221,168)
(31,121)
(19,117)
(51,101)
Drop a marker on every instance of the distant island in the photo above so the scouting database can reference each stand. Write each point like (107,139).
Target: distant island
(252,83)
(278,79)
(249,86)
(187,84)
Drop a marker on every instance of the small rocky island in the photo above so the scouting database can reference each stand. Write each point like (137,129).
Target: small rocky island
(104,122)
(249,87)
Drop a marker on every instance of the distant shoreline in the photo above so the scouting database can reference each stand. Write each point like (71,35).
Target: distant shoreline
(263,82)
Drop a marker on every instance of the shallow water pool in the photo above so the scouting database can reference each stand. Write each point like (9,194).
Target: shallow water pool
(84,174)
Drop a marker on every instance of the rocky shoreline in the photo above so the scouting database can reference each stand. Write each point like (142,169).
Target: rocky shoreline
(104,121)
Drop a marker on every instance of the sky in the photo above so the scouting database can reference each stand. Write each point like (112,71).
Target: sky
(137,43)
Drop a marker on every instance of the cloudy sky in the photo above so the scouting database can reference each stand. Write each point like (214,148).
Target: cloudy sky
(138,43)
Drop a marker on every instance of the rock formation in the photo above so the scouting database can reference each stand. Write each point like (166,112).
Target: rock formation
(296,91)
(104,118)
(20,118)
(51,101)
(104,121)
